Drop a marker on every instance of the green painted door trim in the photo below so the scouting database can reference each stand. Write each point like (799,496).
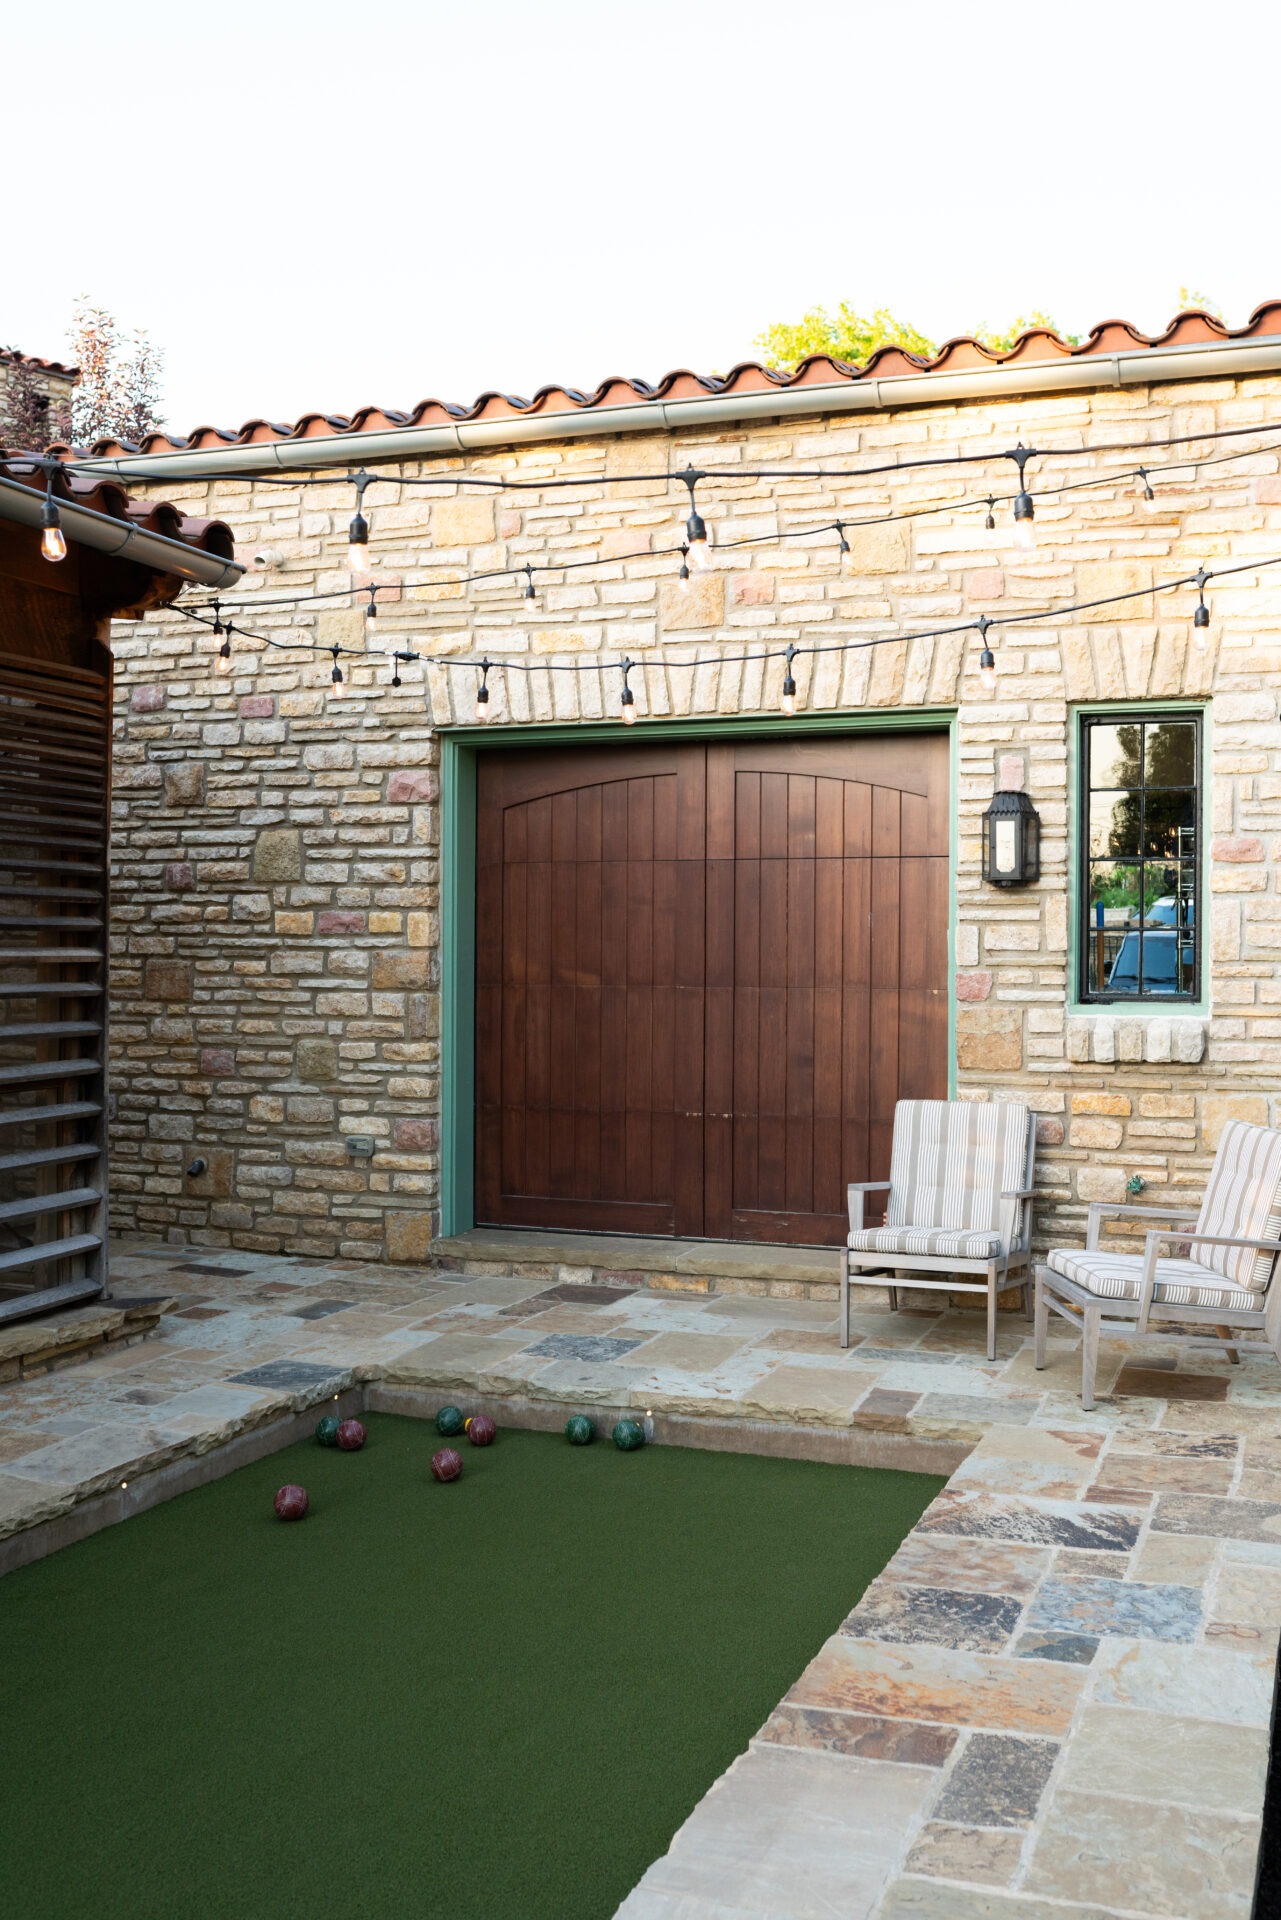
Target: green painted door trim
(461,748)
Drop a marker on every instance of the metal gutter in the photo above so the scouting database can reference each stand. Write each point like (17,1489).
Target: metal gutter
(1143,366)
(121,538)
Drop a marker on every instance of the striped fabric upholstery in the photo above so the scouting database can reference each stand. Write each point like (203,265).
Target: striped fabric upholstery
(1243,1197)
(951,1242)
(952,1160)
(1179,1283)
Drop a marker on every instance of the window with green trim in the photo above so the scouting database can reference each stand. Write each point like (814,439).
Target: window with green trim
(1140,813)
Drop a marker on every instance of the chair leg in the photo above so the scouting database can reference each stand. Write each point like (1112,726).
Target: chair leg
(893,1293)
(1225,1333)
(1040,1323)
(1027,1299)
(1089,1355)
(991,1313)
(845,1300)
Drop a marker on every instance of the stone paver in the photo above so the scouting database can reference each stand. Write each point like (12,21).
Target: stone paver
(1053,1702)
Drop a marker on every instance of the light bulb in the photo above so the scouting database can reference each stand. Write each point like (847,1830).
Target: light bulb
(222,659)
(53,543)
(789,698)
(1147,499)
(482,703)
(987,668)
(337,685)
(629,707)
(700,554)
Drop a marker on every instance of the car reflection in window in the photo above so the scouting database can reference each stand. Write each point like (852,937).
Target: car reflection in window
(1168,963)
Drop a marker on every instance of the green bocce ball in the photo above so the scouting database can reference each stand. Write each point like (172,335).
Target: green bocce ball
(579,1430)
(449,1421)
(327,1430)
(629,1435)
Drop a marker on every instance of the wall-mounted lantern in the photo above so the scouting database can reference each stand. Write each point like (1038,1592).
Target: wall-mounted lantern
(1011,841)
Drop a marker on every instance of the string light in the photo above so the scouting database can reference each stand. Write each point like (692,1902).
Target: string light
(1147,499)
(371,611)
(838,527)
(217,624)
(1024,507)
(222,659)
(482,691)
(399,654)
(628,701)
(530,595)
(53,541)
(358,531)
(682,578)
(1201,617)
(337,684)
(987,659)
(990,522)
(789,684)
(695,526)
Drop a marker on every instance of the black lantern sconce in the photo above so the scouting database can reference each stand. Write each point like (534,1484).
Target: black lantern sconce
(1011,841)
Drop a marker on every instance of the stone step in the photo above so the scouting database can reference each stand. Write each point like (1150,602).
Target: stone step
(673,1266)
(29,1347)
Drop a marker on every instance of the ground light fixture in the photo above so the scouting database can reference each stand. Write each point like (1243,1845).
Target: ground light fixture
(700,554)
(789,683)
(628,697)
(1011,841)
(482,691)
(53,541)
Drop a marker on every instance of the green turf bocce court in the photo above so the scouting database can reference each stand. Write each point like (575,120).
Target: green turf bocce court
(500,1695)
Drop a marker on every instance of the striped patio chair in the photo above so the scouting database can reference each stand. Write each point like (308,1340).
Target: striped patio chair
(960,1193)
(1218,1283)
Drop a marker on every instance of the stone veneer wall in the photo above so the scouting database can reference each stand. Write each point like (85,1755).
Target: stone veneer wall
(276,945)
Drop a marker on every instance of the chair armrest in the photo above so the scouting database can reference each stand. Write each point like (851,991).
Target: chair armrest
(1218,1240)
(1159,1236)
(854,1197)
(1019,1193)
(1101,1210)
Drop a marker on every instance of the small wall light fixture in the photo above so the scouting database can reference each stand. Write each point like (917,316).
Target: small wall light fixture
(1011,841)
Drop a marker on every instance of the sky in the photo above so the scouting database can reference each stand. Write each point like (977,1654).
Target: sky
(322,206)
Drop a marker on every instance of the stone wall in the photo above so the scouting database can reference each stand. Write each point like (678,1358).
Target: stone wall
(276,952)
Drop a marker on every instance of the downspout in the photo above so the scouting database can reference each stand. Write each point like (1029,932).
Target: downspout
(1143,366)
(121,538)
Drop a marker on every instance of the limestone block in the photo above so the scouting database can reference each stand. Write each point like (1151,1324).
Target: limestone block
(146,699)
(1079,1038)
(1012,936)
(215,1183)
(967,944)
(167,980)
(409,1236)
(1218,1108)
(277,856)
(412,785)
(973,986)
(878,550)
(753,589)
(339,920)
(1101,1103)
(218,1063)
(630,454)
(342,627)
(697,602)
(1103,1041)
(316,1060)
(1188,1037)
(991,1040)
(1238,846)
(1056,922)
(185,784)
(464,522)
(1101,1183)
(311,1108)
(268,1108)
(1129,1039)
(1158,1041)
(1049,1133)
(1096,1133)
(180,876)
(295,925)
(1097,579)
(394,972)
(415,1136)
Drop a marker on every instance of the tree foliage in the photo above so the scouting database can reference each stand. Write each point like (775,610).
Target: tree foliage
(850,335)
(118,397)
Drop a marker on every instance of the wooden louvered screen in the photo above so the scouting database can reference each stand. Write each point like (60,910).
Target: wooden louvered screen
(54,773)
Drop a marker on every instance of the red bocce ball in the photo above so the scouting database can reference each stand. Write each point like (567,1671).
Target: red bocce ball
(446,1465)
(481,1430)
(351,1436)
(291,1503)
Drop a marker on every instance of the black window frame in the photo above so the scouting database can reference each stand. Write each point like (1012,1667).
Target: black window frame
(1147,717)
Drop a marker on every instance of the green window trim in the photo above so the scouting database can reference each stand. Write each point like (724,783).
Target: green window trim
(1081,1001)
(461,748)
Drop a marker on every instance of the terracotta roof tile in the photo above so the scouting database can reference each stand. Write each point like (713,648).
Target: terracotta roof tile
(109,497)
(1038,344)
(10,357)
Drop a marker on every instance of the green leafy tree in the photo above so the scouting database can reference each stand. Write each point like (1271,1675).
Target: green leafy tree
(850,335)
(1189,297)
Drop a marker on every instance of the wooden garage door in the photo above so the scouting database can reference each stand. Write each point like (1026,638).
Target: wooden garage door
(705,974)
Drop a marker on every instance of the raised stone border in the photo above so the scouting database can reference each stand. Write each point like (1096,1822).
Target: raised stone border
(31,1347)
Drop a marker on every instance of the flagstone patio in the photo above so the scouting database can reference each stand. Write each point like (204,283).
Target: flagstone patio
(1054,1702)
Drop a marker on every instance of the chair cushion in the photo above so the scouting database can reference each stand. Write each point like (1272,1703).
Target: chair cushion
(953,1159)
(1179,1283)
(947,1242)
(1243,1196)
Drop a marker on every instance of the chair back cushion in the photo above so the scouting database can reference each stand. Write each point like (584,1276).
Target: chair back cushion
(953,1159)
(1243,1197)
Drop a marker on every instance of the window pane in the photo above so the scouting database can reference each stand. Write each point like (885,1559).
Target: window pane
(1169,824)
(1114,825)
(1112,912)
(1171,755)
(1115,756)
(1168,895)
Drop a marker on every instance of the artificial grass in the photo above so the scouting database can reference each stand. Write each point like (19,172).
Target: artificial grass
(501,1696)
